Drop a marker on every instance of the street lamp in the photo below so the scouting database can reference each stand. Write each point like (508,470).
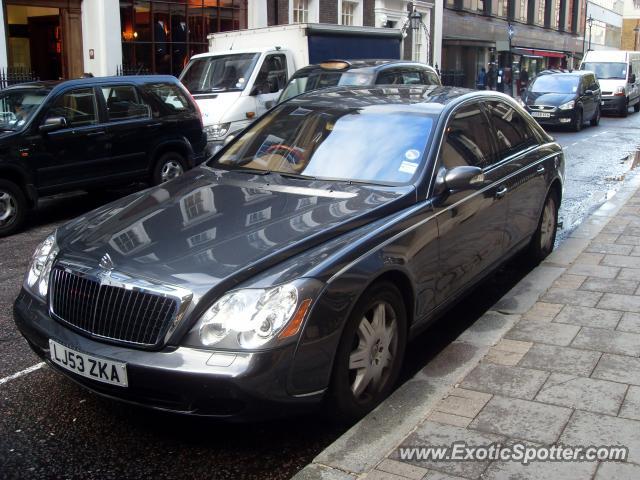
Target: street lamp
(590,22)
(415,22)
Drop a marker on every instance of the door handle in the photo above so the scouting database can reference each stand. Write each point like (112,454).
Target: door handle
(97,133)
(540,170)
(153,125)
(502,192)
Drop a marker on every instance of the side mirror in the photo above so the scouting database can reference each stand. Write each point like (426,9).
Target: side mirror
(459,178)
(588,93)
(53,123)
(260,87)
(632,78)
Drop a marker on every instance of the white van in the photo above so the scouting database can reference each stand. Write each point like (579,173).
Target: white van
(618,73)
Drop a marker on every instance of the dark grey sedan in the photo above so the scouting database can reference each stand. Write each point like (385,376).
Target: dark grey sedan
(292,268)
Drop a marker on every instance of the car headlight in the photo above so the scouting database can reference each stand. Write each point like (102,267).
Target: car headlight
(37,279)
(568,105)
(252,317)
(619,92)
(217,131)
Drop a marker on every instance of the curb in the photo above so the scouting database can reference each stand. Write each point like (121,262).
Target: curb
(361,448)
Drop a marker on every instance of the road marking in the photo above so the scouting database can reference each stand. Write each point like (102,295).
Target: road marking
(26,371)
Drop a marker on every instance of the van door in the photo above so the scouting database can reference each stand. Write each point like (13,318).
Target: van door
(270,81)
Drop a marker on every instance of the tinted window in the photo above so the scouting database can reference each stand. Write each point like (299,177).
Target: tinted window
(124,103)
(169,95)
(78,107)
(369,143)
(315,80)
(272,76)
(18,106)
(555,84)
(430,78)
(511,130)
(468,141)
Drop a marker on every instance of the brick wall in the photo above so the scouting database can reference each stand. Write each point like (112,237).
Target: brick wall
(328,11)
(368,14)
(628,35)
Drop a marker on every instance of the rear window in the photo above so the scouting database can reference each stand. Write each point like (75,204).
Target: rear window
(170,96)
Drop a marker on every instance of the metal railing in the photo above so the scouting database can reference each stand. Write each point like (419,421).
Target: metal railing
(15,75)
(123,70)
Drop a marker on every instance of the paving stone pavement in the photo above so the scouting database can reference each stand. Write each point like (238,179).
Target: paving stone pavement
(566,371)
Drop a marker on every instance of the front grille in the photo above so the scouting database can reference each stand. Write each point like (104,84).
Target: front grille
(110,312)
(542,108)
(606,94)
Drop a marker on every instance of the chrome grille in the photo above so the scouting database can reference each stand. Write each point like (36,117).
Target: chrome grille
(542,108)
(110,312)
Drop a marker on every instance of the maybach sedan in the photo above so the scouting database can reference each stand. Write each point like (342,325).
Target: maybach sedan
(293,267)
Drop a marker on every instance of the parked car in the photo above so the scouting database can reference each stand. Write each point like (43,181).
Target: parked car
(294,266)
(359,73)
(617,72)
(92,133)
(564,98)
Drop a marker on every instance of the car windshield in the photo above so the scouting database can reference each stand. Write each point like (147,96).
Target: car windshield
(314,80)
(555,84)
(18,106)
(222,73)
(606,71)
(373,144)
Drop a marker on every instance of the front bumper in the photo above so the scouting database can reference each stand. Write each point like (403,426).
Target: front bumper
(555,118)
(240,386)
(613,103)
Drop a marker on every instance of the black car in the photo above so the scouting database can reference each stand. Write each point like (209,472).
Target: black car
(564,98)
(293,267)
(92,133)
(358,73)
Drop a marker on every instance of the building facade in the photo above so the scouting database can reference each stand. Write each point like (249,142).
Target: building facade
(603,29)
(511,36)
(631,25)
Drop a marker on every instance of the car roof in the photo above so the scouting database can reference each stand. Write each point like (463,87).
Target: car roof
(431,99)
(91,81)
(365,65)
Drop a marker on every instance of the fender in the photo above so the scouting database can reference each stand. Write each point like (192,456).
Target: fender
(178,141)
(23,178)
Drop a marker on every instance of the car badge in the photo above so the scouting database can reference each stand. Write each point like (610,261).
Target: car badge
(106,263)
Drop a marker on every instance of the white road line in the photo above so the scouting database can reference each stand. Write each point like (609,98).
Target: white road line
(26,371)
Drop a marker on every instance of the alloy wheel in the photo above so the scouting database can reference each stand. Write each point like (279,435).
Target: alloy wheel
(374,350)
(8,208)
(170,170)
(548,225)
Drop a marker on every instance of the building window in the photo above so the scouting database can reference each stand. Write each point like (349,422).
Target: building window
(499,8)
(540,17)
(160,36)
(348,12)
(300,11)
(521,14)
(474,5)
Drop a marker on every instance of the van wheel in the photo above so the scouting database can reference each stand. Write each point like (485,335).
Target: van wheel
(595,121)
(636,107)
(370,353)
(169,166)
(544,237)
(13,208)
(625,109)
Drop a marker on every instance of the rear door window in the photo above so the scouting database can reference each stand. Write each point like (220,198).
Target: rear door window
(513,133)
(124,103)
(468,141)
(78,107)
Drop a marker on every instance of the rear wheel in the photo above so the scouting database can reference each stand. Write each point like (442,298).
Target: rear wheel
(578,121)
(595,121)
(370,353)
(170,165)
(13,207)
(545,236)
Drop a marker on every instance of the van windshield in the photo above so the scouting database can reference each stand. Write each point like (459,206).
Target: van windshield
(222,73)
(606,71)
(18,106)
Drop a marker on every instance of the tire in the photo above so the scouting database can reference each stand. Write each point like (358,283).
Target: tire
(636,107)
(13,207)
(545,235)
(577,123)
(595,121)
(624,111)
(169,166)
(356,391)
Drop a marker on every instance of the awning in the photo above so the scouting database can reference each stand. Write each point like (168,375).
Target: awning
(539,53)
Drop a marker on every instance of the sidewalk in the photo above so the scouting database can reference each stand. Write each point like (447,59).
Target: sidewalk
(555,361)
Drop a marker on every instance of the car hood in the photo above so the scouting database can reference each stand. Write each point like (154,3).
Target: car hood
(551,99)
(611,84)
(213,228)
(215,106)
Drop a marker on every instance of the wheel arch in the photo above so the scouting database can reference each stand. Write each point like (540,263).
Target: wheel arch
(22,182)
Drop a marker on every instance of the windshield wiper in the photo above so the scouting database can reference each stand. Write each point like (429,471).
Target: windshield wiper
(296,176)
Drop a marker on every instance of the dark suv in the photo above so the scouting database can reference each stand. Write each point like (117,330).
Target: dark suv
(557,97)
(359,73)
(92,133)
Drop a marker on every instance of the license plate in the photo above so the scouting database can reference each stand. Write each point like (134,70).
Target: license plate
(96,368)
(540,114)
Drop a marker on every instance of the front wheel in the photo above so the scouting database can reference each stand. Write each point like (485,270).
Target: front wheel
(578,121)
(624,109)
(545,235)
(595,121)
(13,207)
(169,166)
(370,353)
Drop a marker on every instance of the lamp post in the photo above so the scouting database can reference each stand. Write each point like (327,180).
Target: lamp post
(636,30)
(415,22)
(590,22)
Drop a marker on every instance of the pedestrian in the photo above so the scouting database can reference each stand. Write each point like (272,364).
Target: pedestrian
(481,81)
(524,79)
(491,78)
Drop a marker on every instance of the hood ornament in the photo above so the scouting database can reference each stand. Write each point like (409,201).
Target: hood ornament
(106,263)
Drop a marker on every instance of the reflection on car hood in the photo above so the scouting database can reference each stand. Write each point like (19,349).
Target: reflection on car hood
(210,226)
(551,99)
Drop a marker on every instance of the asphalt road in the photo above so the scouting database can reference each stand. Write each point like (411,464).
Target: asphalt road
(52,428)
